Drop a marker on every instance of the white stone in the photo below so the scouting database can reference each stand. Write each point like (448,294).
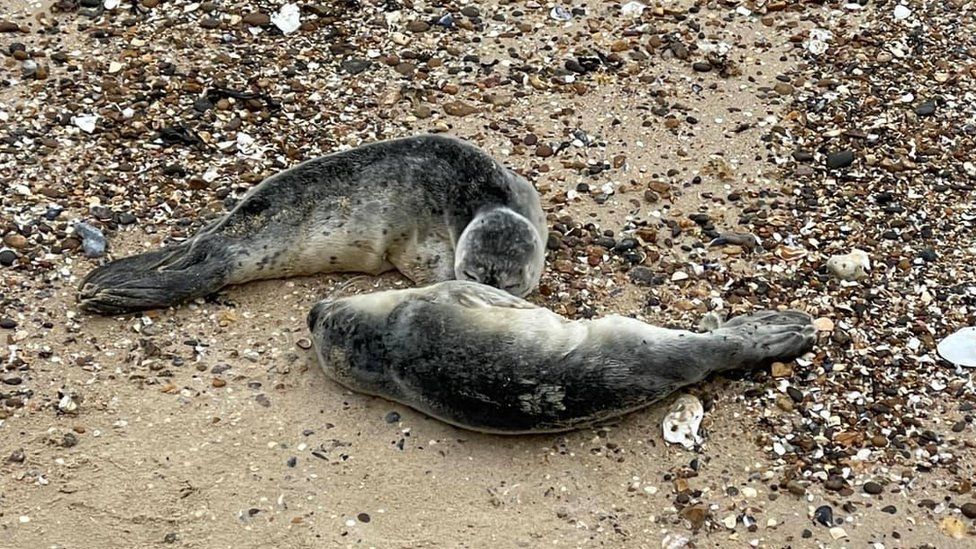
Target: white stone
(850,266)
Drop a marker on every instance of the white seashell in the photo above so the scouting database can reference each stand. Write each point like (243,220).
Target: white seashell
(632,9)
(684,418)
(288,18)
(960,348)
(850,266)
(560,13)
(86,122)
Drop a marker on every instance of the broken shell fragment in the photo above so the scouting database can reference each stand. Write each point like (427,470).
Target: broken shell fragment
(960,348)
(852,266)
(683,420)
(790,253)
(747,241)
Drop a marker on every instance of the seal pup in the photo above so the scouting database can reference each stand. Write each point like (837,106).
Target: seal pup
(482,359)
(432,207)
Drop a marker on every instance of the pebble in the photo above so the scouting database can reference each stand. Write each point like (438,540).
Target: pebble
(852,266)
(796,488)
(925,109)
(840,159)
(824,515)
(783,88)
(642,275)
(257,19)
(354,66)
(7,257)
(701,66)
(873,488)
(92,240)
(459,108)
(780,369)
(8,323)
(834,483)
(392,417)
(15,240)
(969,510)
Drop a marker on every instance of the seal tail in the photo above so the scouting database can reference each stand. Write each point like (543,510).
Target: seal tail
(157,279)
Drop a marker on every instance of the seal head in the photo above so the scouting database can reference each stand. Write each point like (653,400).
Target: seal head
(500,248)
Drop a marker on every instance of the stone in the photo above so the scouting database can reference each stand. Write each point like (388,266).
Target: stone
(7,257)
(354,65)
(873,488)
(840,159)
(257,19)
(779,369)
(783,88)
(93,242)
(834,483)
(824,515)
(14,240)
(968,510)
(852,266)
(459,108)
(925,109)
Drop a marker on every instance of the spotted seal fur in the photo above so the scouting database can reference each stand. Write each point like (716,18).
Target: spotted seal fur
(431,207)
(482,359)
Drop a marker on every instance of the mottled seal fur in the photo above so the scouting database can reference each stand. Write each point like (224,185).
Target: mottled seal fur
(432,207)
(482,359)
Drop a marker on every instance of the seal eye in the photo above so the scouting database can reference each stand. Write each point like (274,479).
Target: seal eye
(471,276)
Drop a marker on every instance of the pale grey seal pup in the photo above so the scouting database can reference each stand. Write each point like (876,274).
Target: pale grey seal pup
(479,358)
(432,207)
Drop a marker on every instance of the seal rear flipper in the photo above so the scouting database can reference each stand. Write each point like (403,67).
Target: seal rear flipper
(155,279)
(768,336)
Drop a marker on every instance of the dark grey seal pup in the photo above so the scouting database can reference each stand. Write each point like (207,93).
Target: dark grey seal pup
(479,358)
(432,207)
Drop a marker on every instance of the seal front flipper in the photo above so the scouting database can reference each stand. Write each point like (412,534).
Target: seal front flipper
(157,279)
(473,295)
